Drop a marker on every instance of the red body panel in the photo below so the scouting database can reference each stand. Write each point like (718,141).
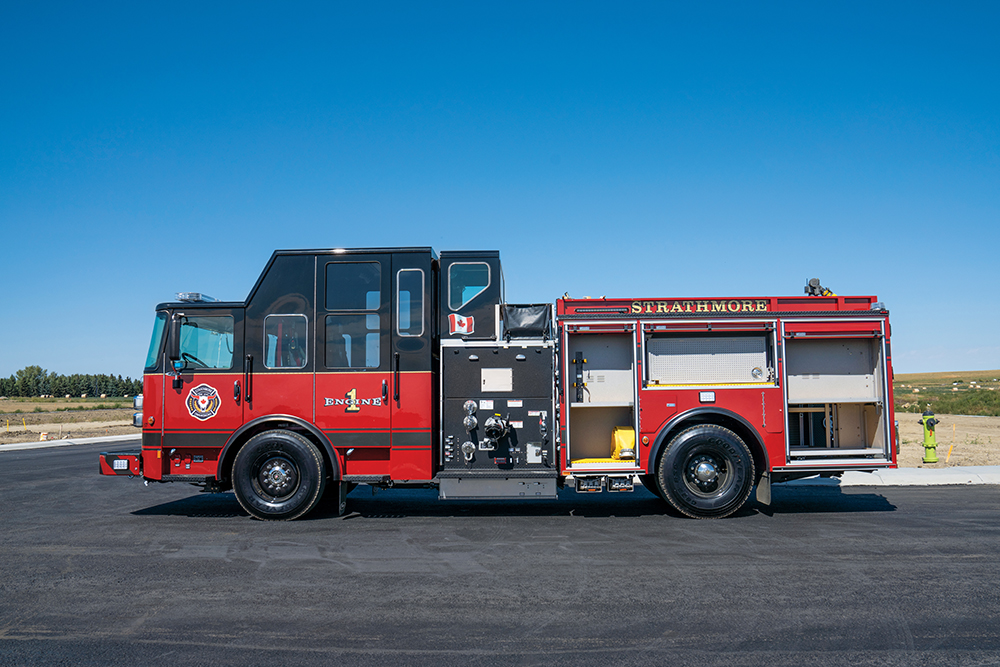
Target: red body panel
(277,393)
(756,405)
(180,416)
(412,427)
(415,409)
(388,437)
(152,433)
(354,403)
(193,433)
(862,329)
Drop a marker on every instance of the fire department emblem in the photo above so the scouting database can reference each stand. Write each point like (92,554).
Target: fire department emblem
(203,402)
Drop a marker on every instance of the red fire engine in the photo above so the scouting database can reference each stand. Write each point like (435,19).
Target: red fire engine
(404,367)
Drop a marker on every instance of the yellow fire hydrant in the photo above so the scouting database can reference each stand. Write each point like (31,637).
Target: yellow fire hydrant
(930,442)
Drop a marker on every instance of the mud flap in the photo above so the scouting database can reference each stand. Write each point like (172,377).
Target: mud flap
(764,488)
(339,495)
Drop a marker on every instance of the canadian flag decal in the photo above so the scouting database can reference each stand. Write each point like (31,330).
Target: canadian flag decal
(461,325)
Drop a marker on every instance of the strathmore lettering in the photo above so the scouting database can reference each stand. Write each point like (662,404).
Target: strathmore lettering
(707,306)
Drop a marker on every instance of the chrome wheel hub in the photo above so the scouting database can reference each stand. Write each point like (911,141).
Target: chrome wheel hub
(704,473)
(277,477)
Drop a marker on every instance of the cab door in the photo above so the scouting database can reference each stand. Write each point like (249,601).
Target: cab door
(280,354)
(202,402)
(413,401)
(353,367)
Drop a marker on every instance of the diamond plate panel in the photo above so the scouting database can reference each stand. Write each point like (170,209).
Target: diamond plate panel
(705,360)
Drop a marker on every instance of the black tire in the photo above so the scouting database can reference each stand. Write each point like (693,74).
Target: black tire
(278,476)
(706,472)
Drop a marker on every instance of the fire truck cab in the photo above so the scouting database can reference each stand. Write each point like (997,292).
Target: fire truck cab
(399,367)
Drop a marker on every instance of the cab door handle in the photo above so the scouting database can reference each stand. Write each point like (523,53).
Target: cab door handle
(385,390)
(248,377)
(395,377)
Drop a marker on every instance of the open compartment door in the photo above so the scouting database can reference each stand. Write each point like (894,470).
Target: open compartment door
(836,388)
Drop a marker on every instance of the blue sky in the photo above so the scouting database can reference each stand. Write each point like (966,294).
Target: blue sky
(627,149)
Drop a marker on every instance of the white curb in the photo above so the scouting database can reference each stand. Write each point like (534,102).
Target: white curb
(72,441)
(910,477)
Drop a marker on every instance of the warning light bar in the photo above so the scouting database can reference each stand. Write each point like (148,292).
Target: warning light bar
(194,297)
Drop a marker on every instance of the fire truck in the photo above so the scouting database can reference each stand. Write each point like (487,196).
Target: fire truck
(406,367)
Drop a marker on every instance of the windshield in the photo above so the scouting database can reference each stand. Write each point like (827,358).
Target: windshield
(159,326)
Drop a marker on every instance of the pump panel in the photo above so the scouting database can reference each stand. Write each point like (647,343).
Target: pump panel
(498,411)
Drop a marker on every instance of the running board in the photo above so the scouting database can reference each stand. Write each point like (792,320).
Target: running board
(497,488)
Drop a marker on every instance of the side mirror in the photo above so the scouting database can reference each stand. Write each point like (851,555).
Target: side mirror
(174,338)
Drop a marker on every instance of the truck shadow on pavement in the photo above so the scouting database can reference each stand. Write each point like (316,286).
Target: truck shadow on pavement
(823,499)
(410,503)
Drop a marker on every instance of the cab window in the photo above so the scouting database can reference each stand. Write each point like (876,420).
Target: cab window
(353,285)
(353,338)
(410,302)
(207,342)
(352,341)
(285,341)
(466,281)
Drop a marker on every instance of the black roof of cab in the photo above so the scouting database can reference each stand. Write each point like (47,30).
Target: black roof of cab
(173,305)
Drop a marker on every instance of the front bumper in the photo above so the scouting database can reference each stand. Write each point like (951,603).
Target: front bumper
(123,462)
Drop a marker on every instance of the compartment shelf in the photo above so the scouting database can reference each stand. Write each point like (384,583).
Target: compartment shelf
(601,465)
(834,400)
(822,452)
(603,404)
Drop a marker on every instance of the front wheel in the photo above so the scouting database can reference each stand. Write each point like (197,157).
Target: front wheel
(278,476)
(706,472)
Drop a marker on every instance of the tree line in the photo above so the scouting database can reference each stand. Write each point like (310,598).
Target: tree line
(36,381)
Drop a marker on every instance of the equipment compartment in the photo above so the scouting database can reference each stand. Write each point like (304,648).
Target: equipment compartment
(836,398)
(592,432)
(836,370)
(844,426)
(602,398)
(601,368)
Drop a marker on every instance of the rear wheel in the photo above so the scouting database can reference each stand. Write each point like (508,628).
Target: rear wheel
(278,476)
(706,472)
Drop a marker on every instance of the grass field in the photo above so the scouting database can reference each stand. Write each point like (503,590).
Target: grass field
(954,393)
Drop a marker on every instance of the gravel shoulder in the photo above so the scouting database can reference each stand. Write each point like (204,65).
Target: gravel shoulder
(29,426)
(973,441)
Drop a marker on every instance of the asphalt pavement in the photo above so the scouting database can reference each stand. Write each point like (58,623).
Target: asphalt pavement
(99,570)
